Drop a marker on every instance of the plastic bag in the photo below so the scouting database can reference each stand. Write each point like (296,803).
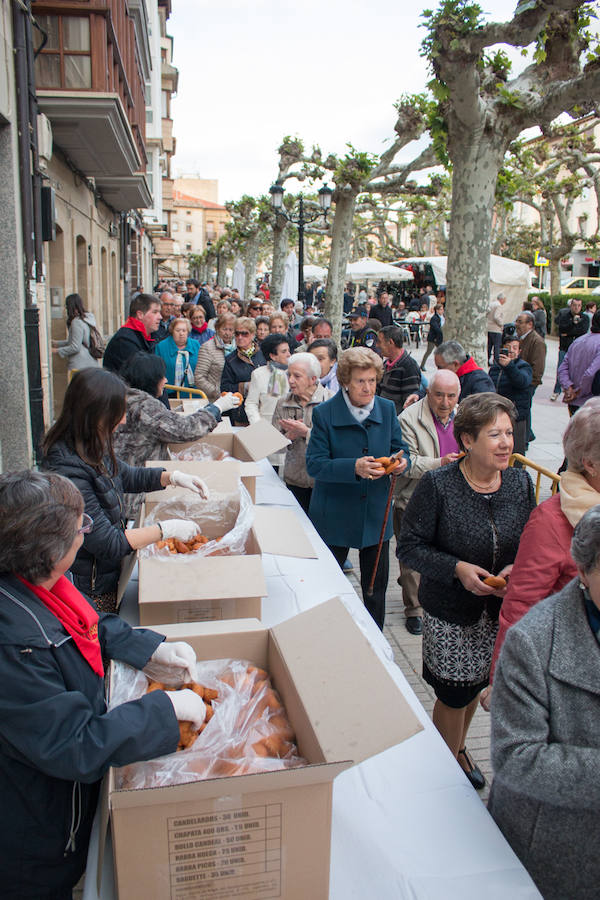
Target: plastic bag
(226,519)
(199,451)
(248,733)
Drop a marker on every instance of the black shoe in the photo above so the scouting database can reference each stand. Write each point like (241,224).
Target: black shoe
(414,625)
(473,773)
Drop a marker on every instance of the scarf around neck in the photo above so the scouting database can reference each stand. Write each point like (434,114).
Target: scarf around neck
(183,368)
(137,325)
(278,383)
(76,615)
(360,413)
(202,328)
(576,496)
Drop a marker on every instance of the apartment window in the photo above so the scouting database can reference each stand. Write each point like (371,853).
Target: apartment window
(175,226)
(65,61)
(188,226)
(188,246)
(164,104)
(188,212)
(149,116)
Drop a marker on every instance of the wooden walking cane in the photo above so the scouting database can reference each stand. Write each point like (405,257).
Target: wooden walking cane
(380,544)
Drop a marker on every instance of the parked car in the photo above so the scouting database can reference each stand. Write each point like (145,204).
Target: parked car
(581,285)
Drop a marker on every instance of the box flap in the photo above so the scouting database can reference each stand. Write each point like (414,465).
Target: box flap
(323,649)
(280,531)
(215,787)
(206,578)
(127,566)
(185,631)
(258,440)
(224,427)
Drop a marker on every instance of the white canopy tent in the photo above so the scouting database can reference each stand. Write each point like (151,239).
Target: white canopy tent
(369,269)
(290,277)
(239,277)
(316,273)
(507,276)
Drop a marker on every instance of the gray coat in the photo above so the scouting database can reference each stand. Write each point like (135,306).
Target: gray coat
(76,348)
(545,746)
(294,469)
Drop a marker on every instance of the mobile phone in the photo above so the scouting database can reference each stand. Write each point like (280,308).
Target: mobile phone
(504,352)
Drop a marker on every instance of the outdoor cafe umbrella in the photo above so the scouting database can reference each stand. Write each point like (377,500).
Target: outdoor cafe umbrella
(369,269)
(239,277)
(290,277)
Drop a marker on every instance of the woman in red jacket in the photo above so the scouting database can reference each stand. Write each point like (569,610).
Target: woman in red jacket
(544,564)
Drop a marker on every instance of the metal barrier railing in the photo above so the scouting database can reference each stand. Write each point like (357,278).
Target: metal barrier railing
(541,471)
(193,392)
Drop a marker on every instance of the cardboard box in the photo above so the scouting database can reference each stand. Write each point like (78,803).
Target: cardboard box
(222,587)
(268,835)
(248,444)
(209,470)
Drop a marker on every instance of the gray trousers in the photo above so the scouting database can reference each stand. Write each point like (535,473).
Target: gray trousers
(409,579)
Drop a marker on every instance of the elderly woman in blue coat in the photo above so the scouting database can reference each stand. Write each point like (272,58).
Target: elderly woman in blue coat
(57,738)
(349,432)
(180,353)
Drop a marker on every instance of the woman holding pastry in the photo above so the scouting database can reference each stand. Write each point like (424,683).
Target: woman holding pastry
(57,738)
(355,444)
(461,529)
(80,446)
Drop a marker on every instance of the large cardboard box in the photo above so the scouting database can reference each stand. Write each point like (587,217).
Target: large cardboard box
(222,587)
(247,444)
(209,470)
(268,835)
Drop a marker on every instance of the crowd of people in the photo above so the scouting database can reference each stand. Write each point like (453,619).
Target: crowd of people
(498,587)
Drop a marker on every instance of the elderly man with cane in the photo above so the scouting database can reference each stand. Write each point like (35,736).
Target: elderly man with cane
(428,432)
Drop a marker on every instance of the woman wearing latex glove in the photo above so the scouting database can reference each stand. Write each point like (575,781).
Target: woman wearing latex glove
(226,402)
(188,706)
(177,658)
(191,482)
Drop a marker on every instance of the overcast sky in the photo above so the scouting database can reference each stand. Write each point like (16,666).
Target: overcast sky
(252,71)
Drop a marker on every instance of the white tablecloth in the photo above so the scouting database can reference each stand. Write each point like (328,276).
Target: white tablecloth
(406,823)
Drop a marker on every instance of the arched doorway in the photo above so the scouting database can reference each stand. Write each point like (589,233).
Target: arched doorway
(105,299)
(82,268)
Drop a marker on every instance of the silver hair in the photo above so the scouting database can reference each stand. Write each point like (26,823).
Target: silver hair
(451,351)
(526,313)
(581,439)
(585,545)
(439,373)
(308,361)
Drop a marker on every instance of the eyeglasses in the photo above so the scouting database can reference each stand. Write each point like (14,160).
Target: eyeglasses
(242,333)
(87,525)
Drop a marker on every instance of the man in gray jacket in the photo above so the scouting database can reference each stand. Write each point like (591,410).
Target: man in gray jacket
(428,431)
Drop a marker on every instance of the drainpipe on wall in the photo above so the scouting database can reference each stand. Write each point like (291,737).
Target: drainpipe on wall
(30,189)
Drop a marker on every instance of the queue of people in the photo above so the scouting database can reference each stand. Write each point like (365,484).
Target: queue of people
(505,594)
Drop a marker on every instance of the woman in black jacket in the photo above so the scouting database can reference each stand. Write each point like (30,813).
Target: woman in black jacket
(462,524)
(79,446)
(56,737)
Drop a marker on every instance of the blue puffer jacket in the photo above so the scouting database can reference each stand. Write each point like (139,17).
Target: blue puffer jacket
(513,382)
(98,564)
(346,510)
(57,740)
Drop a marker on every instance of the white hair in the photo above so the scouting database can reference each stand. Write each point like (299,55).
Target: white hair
(308,361)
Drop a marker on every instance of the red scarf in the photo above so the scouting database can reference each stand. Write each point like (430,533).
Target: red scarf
(76,615)
(137,325)
(468,366)
(201,329)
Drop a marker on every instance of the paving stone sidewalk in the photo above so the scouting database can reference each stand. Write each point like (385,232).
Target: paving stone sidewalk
(549,422)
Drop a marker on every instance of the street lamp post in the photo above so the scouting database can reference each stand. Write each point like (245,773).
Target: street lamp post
(300,220)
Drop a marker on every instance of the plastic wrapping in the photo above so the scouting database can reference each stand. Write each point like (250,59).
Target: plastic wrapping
(225,518)
(248,733)
(199,451)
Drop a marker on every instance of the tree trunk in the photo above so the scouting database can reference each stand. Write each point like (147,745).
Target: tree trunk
(251,262)
(476,162)
(280,251)
(222,261)
(338,259)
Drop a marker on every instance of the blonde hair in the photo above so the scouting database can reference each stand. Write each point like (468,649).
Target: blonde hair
(279,315)
(581,439)
(246,322)
(178,321)
(357,358)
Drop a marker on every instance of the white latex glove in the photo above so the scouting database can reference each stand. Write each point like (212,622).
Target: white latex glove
(226,402)
(191,482)
(182,529)
(178,656)
(188,706)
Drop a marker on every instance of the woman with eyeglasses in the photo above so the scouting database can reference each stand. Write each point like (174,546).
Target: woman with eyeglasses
(240,365)
(57,738)
(80,446)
